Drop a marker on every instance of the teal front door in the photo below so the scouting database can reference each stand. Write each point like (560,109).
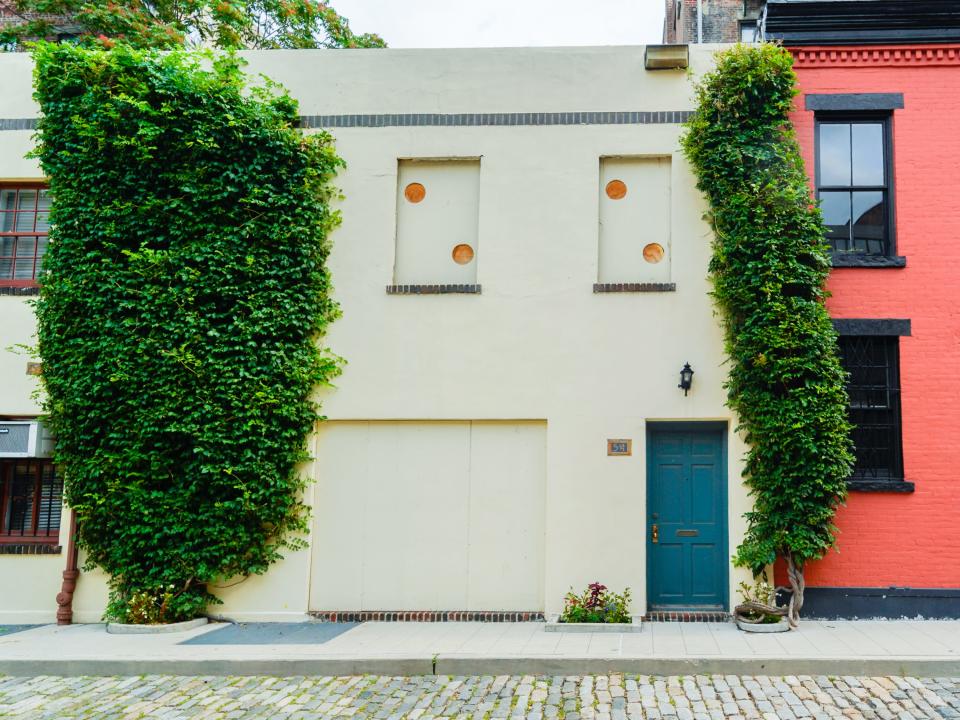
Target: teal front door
(686,516)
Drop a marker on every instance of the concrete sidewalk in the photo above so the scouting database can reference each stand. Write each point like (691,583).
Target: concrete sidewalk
(883,647)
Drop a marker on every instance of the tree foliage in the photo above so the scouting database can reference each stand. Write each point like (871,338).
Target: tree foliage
(183,295)
(769,265)
(167,24)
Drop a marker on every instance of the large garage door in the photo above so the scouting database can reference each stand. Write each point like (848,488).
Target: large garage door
(429,516)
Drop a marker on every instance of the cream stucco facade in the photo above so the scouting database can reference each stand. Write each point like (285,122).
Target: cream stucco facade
(464,465)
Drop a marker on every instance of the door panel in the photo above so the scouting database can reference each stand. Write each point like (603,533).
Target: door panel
(687,502)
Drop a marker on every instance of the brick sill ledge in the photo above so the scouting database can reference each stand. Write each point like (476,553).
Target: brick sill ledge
(19,290)
(433,289)
(889,486)
(844,260)
(633,287)
(30,548)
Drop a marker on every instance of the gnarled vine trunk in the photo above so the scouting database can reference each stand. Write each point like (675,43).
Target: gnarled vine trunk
(769,266)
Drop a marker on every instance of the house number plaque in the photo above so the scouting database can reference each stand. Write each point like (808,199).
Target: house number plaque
(619,447)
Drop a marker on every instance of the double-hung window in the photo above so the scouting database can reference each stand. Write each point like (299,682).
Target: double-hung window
(24,225)
(853,184)
(854,175)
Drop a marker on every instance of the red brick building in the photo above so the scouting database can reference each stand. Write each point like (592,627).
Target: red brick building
(876,119)
(877,122)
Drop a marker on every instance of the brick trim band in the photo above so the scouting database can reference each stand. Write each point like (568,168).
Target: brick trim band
(876,56)
(653,117)
(859,326)
(29,548)
(18,123)
(589,117)
(22,291)
(633,287)
(691,616)
(427,616)
(433,289)
(853,101)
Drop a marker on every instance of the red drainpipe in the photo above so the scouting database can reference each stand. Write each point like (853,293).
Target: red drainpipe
(70,575)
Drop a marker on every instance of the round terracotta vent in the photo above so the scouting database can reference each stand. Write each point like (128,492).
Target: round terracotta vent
(616,189)
(462,254)
(415,192)
(653,253)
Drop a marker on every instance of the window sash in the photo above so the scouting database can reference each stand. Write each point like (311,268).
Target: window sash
(24,228)
(843,233)
(31,501)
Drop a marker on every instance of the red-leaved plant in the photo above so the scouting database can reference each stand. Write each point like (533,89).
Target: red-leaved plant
(596,605)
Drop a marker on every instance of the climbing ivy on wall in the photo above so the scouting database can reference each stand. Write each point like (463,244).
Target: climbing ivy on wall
(769,265)
(183,297)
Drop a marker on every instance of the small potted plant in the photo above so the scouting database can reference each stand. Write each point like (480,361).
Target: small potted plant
(759,611)
(596,609)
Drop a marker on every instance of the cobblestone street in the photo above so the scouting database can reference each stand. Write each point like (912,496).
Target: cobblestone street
(614,697)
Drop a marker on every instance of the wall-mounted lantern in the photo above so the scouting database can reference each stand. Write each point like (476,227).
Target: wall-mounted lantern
(686,378)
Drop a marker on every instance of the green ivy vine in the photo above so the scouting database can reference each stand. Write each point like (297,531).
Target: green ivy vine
(183,298)
(769,265)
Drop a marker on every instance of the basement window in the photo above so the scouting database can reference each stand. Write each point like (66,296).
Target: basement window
(31,496)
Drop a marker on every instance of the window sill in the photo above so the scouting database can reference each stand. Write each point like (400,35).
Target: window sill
(433,289)
(867,261)
(633,287)
(888,486)
(19,289)
(30,548)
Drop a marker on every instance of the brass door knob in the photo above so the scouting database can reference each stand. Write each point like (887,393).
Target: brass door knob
(655,534)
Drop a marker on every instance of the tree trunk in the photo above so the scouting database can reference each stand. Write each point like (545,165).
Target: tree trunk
(795,575)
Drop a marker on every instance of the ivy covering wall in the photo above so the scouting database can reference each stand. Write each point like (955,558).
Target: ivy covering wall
(769,265)
(183,297)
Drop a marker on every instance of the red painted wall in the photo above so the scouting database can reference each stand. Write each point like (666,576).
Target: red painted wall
(898,539)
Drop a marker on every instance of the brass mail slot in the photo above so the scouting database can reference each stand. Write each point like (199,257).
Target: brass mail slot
(687,533)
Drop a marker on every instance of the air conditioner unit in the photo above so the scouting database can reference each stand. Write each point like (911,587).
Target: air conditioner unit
(24,439)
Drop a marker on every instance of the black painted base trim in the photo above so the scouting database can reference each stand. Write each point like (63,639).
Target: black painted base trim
(833,603)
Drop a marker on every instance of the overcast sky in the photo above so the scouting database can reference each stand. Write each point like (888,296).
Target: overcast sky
(500,23)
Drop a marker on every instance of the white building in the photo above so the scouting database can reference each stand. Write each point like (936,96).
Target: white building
(522,268)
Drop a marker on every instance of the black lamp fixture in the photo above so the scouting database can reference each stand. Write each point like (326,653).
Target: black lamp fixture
(686,378)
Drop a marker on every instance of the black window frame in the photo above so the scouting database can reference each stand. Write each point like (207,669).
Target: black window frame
(753,24)
(845,117)
(887,418)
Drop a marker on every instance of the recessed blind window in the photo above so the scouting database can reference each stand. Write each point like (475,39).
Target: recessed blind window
(853,184)
(874,390)
(24,225)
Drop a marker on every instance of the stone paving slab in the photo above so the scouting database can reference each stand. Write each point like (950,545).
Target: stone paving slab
(10,629)
(902,648)
(484,697)
(265,633)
